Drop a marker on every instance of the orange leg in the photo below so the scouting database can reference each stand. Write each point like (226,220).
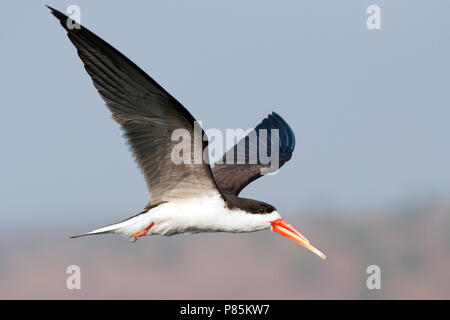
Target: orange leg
(141,233)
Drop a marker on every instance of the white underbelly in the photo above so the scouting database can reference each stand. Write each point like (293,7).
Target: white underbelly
(209,214)
(194,216)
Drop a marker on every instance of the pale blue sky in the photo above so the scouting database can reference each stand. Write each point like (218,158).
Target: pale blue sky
(370,109)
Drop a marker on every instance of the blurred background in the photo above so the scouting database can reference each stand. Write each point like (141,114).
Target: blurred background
(369,182)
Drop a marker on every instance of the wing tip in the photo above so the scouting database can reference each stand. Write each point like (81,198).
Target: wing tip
(53,11)
(287,139)
(60,16)
(291,145)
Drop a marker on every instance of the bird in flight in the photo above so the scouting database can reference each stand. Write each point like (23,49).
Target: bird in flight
(186,197)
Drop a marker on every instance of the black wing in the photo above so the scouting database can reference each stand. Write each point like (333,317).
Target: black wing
(246,164)
(147,114)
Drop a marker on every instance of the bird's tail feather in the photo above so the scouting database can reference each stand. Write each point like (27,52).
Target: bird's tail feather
(126,227)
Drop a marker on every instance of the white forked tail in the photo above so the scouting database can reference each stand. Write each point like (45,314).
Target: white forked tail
(126,227)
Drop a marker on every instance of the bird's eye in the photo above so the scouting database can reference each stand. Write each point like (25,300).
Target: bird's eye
(261,208)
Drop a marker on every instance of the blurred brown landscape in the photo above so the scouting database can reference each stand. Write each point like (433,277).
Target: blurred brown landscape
(411,248)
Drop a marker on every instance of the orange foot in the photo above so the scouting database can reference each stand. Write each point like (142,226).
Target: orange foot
(141,233)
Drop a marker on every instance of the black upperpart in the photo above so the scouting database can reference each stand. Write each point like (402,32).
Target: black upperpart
(248,205)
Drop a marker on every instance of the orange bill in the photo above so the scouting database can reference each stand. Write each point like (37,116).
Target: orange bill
(282,227)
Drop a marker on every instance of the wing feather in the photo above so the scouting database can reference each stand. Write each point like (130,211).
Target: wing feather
(148,114)
(232,177)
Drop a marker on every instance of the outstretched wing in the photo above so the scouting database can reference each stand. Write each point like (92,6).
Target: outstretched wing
(148,115)
(243,163)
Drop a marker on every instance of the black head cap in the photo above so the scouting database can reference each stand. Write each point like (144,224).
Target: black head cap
(248,205)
